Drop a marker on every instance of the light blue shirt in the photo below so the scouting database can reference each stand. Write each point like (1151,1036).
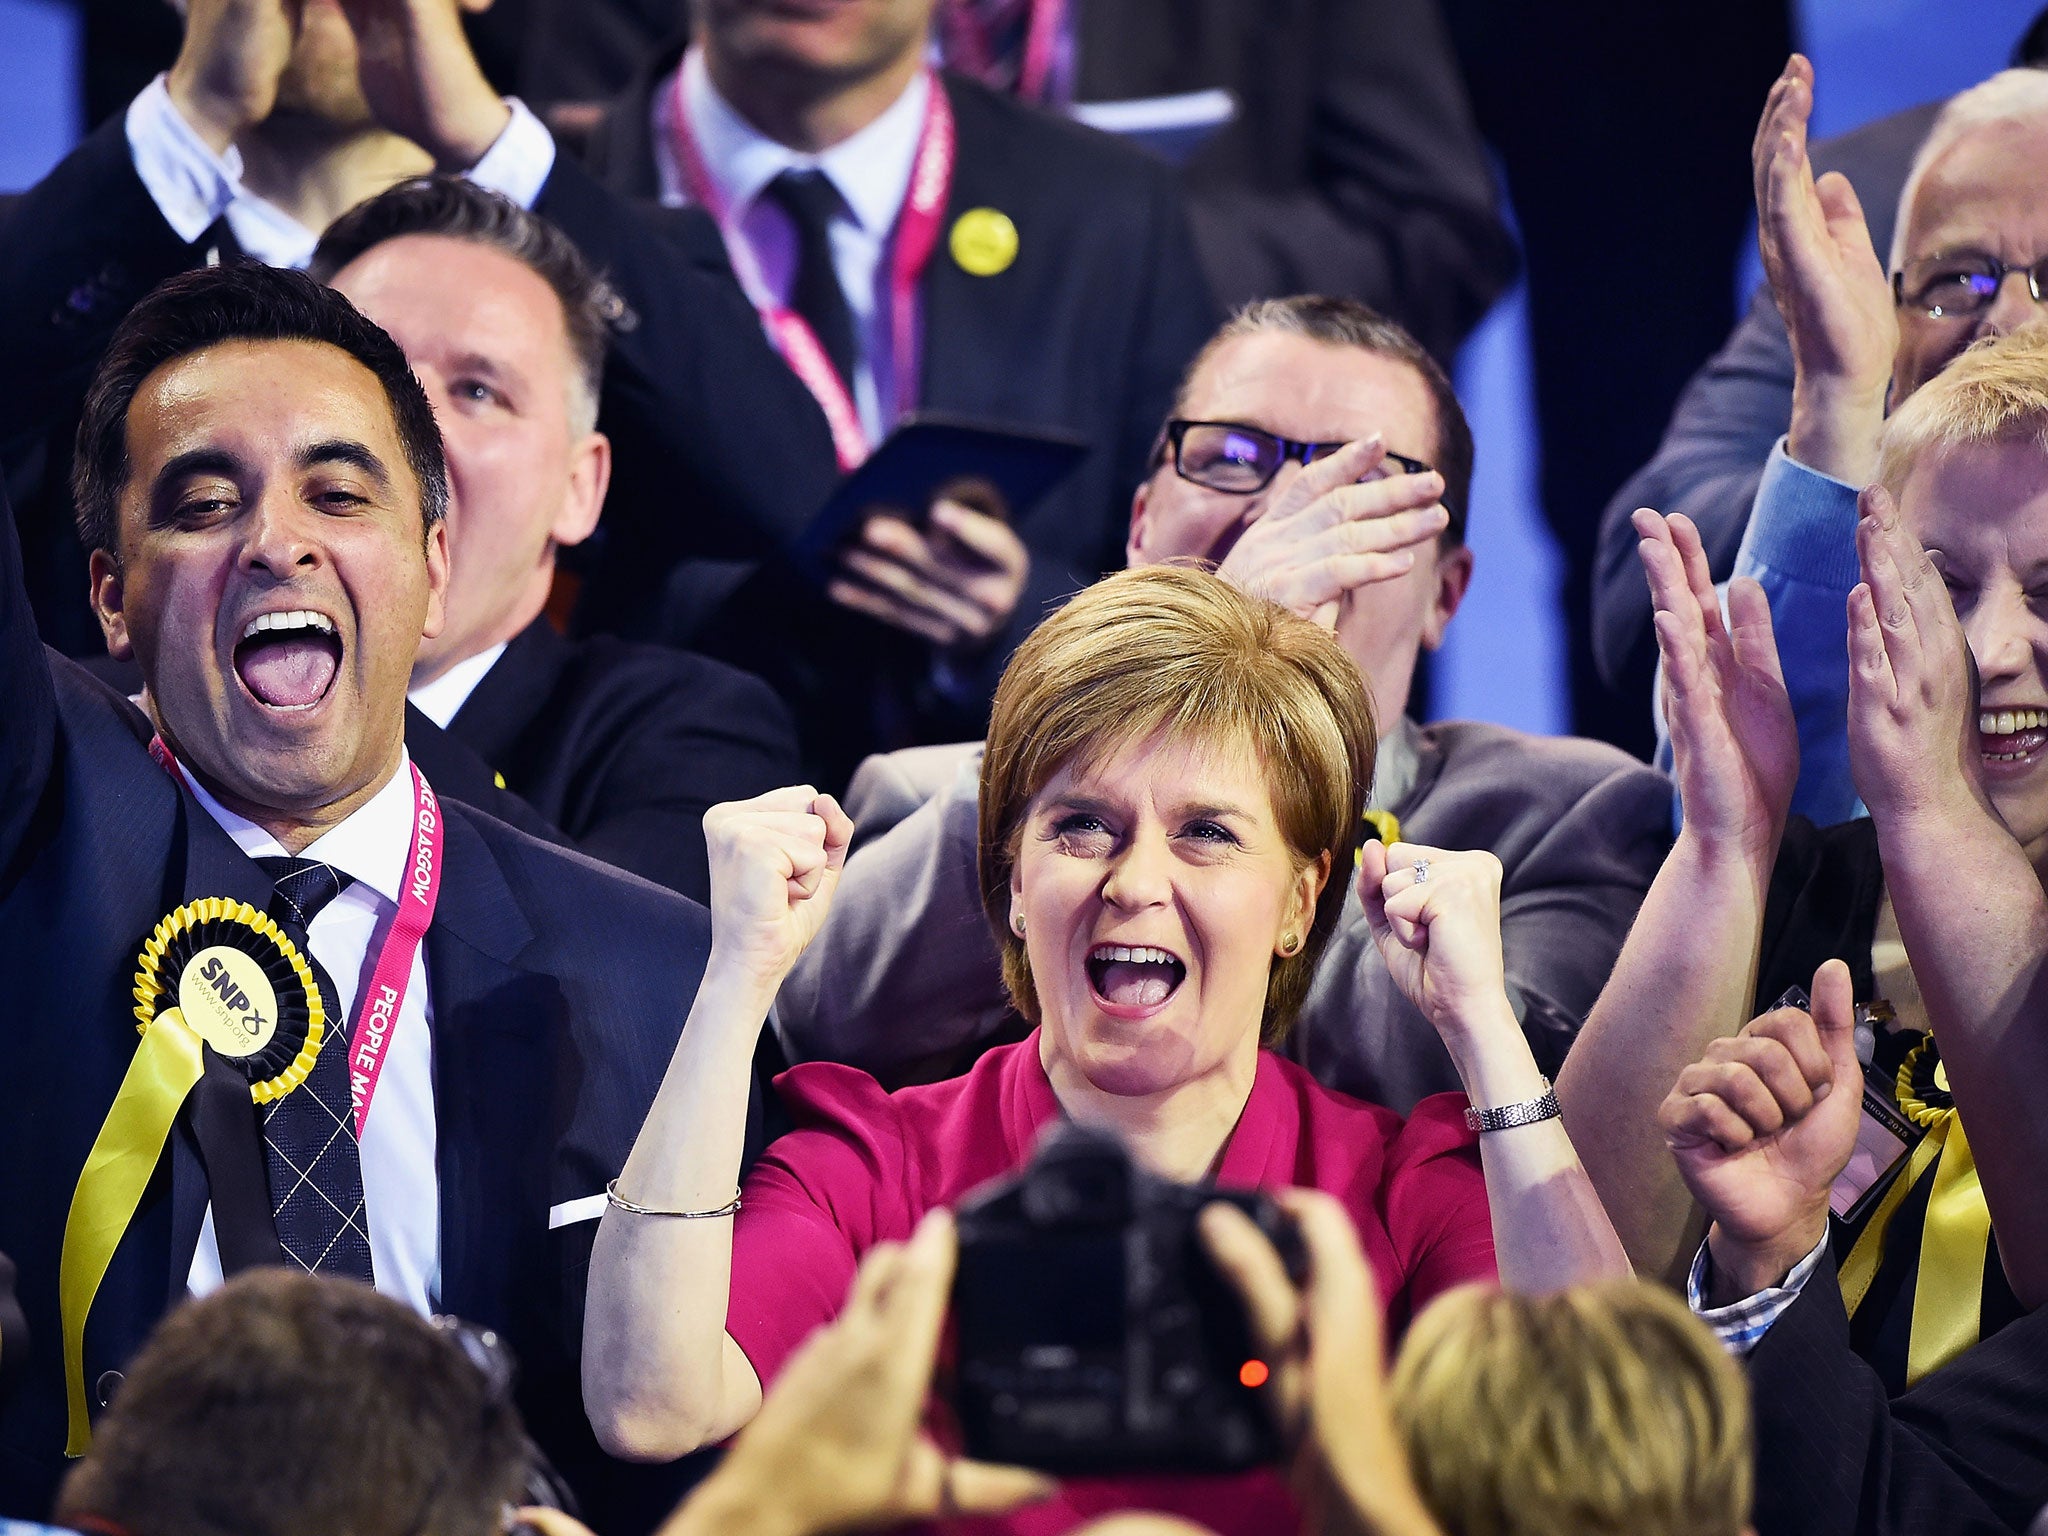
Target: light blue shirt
(1800,547)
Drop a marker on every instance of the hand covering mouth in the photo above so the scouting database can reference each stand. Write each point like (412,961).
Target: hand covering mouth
(1134,975)
(288,660)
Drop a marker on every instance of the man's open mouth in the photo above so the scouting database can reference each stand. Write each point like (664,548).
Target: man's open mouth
(1134,975)
(2011,735)
(288,660)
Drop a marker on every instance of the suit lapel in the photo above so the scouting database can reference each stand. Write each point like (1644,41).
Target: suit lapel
(511,693)
(495,1045)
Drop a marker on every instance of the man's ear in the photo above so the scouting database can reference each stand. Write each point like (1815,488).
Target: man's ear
(437,579)
(590,474)
(1134,541)
(109,597)
(1453,580)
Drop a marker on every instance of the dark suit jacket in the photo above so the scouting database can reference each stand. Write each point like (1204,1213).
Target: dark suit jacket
(1353,165)
(558,988)
(689,385)
(622,747)
(1964,1453)
(1731,413)
(1087,332)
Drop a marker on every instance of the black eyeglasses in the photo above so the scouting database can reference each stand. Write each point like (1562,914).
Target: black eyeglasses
(1232,457)
(1949,287)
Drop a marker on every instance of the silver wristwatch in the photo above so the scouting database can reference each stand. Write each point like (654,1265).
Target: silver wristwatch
(1508,1116)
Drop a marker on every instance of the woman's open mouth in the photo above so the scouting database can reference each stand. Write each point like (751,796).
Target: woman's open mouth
(1134,976)
(2012,736)
(288,661)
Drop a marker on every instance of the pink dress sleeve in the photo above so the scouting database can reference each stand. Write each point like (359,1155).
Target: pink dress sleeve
(1435,1199)
(819,1198)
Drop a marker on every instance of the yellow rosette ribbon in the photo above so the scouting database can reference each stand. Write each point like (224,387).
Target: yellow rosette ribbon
(1955,1234)
(214,973)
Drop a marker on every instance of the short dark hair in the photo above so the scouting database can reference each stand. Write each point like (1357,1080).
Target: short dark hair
(287,1404)
(241,301)
(1348,323)
(455,207)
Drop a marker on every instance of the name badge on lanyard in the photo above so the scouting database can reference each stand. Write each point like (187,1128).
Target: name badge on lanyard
(377,1009)
(917,234)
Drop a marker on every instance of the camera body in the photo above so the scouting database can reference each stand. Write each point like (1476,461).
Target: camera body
(1095,1335)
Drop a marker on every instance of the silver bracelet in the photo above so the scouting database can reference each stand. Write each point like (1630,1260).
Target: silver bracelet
(1508,1116)
(619,1202)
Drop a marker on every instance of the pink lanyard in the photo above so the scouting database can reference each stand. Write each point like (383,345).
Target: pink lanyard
(967,46)
(377,1008)
(917,235)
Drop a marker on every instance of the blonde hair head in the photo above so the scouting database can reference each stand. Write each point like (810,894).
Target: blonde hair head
(1604,1409)
(1173,650)
(1996,391)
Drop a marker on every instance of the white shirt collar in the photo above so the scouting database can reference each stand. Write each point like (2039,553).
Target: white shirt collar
(372,843)
(442,699)
(871,169)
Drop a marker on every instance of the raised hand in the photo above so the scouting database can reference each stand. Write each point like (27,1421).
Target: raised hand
(1761,1126)
(228,66)
(422,80)
(837,1443)
(1435,915)
(954,583)
(1733,739)
(1913,744)
(775,862)
(1829,285)
(1332,530)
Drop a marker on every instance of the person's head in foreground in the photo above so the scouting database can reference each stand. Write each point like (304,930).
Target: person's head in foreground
(1259,434)
(1605,1409)
(505,325)
(1966,463)
(1972,231)
(260,484)
(287,1404)
(1175,772)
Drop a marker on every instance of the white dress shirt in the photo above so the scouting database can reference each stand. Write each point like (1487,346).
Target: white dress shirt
(192,186)
(871,171)
(440,700)
(401,1188)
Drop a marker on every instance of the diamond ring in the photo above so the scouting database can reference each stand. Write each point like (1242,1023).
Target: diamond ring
(1422,871)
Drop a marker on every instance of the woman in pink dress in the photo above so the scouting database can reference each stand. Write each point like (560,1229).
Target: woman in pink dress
(1171,799)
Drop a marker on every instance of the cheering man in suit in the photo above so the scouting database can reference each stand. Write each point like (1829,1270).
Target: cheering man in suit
(917,243)
(620,746)
(1316,453)
(383,1036)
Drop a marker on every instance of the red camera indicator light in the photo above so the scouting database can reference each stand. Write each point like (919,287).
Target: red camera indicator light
(1253,1373)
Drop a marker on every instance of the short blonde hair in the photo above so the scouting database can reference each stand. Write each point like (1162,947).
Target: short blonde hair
(1175,649)
(2010,96)
(1996,391)
(1604,1409)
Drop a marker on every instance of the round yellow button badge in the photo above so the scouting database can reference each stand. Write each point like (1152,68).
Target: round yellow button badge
(983,242)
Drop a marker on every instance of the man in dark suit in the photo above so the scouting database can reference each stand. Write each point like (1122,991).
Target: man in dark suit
(1367,538)
(1324,148)
(261,482)
(945,250)
(620,746)
(259,136)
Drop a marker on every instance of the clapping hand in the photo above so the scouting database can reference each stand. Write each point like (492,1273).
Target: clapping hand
(422,80)
(1332,530)
(1735,745)
(1761,1127)
(954,582)
(775,863)
(226,75)
(1912,729)
(1829,286)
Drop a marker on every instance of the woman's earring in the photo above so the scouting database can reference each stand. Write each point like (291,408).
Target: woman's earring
(1290,945)
(1017,924)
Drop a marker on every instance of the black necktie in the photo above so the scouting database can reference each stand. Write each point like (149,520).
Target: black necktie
(810,200)
(309,1135)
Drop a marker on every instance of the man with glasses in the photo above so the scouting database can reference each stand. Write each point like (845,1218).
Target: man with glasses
(1969,257)
(1318,455)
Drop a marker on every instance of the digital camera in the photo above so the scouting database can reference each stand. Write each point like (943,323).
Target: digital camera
(1095,1335)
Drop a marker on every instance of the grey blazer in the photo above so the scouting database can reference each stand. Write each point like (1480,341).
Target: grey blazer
(906,969)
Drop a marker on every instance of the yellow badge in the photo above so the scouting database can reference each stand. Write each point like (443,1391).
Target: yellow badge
(228,1001)
(983,242)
